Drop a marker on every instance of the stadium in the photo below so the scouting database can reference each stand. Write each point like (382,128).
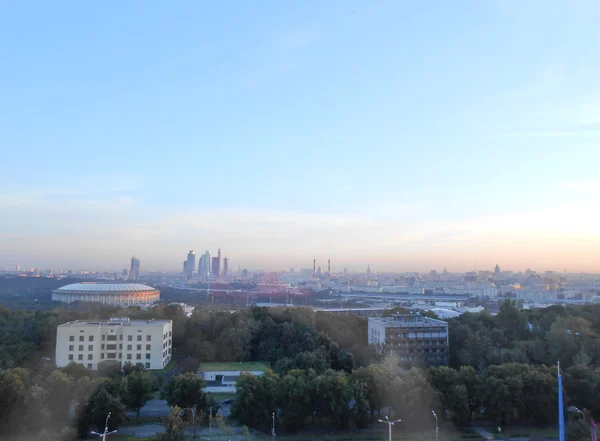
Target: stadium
(117,294)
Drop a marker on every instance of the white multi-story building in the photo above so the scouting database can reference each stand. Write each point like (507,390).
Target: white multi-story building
(94,343)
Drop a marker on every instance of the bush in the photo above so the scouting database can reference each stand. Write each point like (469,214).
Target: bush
(245,432)
(223,427)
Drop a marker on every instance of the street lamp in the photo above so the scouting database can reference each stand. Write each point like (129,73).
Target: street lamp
(575,409)
(436,425)
(106,432)
(390,424)
(191,409)
(273,428)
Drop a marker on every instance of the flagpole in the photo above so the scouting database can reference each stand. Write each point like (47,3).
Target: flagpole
(561,417)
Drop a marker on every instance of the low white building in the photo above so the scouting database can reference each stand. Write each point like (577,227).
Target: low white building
(227,374)
(96,343)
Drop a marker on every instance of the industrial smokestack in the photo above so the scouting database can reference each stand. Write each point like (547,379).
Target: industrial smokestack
(314,268)
(328,267)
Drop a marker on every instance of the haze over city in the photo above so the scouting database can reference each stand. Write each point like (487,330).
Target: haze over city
(403,136)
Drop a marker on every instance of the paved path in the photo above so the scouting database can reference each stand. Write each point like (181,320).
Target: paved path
(150,430)
(484,433)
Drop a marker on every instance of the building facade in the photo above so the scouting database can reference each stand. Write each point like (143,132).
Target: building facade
(98,343)
(414,338)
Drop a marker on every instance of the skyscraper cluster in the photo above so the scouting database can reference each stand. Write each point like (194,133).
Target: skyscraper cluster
(213,267)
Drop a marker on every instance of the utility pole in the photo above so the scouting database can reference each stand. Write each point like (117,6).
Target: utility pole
(390,424)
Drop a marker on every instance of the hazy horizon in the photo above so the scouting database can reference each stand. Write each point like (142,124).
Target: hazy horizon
(399,135)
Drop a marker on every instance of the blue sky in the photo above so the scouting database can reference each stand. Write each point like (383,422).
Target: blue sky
(402,134)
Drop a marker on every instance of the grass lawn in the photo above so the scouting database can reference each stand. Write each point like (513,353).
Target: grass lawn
(143,420)
(234,366)
(168,368)
(220,397)
(526,432)
(370,435)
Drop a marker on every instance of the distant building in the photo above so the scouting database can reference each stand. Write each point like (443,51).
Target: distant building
(227,374)
(225,267)
(189,265)
(99,343)
(414,338)
(216,270)
(134,272)
(116,294)
(204,265)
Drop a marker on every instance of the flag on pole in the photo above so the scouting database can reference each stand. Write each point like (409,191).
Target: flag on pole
(561,416)
(594,430)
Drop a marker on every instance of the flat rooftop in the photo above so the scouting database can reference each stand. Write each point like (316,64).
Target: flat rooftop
(234,366)
(408,321)
(115,321)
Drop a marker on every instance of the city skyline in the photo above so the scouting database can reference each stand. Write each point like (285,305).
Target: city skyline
(396,135)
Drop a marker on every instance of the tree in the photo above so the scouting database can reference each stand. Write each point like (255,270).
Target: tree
(186,391)
(137,391)
(334,397)
(173,424)
(94,413)
(12,395)
(360,408)
(256,400)
(293,398)
(578,430)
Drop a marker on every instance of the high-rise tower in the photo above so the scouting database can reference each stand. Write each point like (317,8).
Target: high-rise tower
(190,264)
(134,272)
(204,265)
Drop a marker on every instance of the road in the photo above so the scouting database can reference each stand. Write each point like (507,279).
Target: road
(153,408)
(160,408)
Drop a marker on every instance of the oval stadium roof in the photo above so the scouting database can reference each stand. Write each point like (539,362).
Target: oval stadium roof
(106,287)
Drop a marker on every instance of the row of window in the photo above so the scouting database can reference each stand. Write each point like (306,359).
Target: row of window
(111,337)
(113,355)
(114,337)
(108,356)
(89,365)
(110,347)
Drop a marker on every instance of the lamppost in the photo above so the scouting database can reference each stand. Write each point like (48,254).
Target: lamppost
(210,423)
(273,428)
(191,409)
(390,424)
(436,425)
(106,432)
(575,409)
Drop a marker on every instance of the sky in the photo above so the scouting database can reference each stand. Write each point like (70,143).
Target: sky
(404,135)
